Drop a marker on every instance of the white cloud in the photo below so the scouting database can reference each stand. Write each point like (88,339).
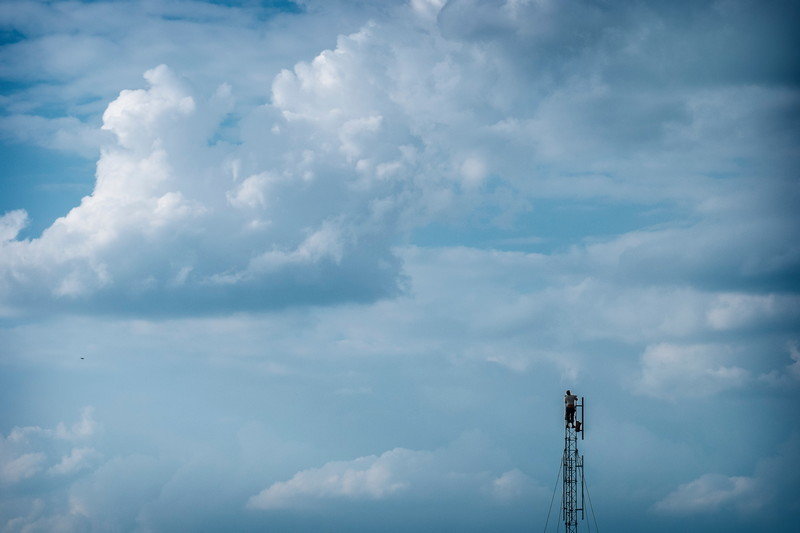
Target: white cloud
(399,124)
(74,489)
(399,473)
(83,429)
(21,467)
(372,477)
(688,371)
(77,459)
(159,189)
(142,118)
(252,192)
(27,451)
(772,487)
(732,311)
(12,223)
(707,494)
(427,9)
(521,311)
(103,499)
(512,485)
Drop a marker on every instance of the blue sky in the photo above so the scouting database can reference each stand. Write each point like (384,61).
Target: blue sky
(330,266)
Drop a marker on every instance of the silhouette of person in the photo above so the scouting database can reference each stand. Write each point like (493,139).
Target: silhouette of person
(569,400)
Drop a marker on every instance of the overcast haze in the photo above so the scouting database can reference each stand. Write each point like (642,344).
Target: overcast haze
(330,265)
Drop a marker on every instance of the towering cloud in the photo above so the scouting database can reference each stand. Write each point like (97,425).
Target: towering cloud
(300,200)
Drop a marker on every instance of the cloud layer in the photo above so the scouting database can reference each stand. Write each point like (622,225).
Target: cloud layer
(341,259)
(401,125)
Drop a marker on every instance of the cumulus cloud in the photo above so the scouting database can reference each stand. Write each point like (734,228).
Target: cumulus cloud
(398,473)
(402,123)
(100,499)
(84,428)
(371,477)
(21,467)
(77,459)
(12,223)
(56,479)
(774,483)
(163,190)
(30,450)
(684,371)
(512,486)
(707,494)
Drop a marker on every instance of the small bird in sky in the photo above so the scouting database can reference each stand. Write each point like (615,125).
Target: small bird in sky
(81,357)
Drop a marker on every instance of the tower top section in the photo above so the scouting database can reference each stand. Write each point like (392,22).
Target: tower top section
(574,412)
(572,507)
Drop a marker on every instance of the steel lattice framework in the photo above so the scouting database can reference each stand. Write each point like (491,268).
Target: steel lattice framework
(572,508)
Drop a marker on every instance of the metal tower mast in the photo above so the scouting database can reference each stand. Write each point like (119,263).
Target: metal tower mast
(572,464)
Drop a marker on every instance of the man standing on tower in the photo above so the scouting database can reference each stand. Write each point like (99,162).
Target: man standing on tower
(569,400)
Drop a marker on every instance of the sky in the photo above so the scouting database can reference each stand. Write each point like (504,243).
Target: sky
(331,265)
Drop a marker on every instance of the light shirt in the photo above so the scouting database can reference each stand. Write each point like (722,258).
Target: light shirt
(570,399)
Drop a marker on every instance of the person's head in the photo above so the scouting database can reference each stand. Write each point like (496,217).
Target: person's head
(568,392)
